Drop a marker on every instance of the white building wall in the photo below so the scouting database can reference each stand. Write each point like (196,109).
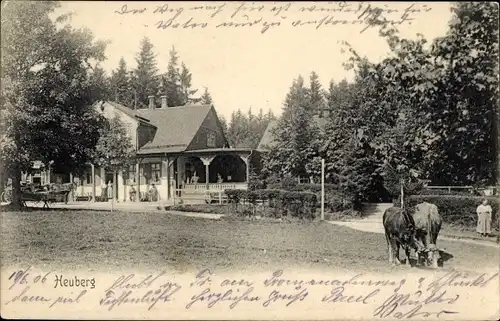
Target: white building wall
(130,123)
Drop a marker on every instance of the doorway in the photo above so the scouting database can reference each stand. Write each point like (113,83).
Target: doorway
(109,178)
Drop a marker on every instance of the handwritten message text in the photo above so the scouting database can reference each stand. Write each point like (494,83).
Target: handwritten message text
(267,16)
(385,297)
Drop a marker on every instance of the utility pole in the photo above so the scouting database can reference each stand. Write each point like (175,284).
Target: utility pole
(322,189)
(401,182)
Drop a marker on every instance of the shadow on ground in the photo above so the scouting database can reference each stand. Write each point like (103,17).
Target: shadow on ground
(27,209)
(444,257)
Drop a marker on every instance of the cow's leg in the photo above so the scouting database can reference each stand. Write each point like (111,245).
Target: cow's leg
(420,258)
(395,251)
(389,248)
(407,252)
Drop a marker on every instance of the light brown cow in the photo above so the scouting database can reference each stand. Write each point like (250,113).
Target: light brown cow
(427,225)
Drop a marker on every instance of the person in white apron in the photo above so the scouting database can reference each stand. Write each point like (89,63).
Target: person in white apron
(484,211)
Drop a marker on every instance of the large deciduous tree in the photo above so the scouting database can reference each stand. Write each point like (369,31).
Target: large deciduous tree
(430,112)
(47,91)
(114,149)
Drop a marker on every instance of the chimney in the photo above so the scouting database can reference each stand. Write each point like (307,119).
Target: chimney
(164,101)
(151,102)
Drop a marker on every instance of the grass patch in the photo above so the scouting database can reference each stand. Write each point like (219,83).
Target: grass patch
(92,239)
(346,215)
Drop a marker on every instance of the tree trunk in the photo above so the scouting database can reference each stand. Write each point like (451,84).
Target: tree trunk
(16,187)
(496,148)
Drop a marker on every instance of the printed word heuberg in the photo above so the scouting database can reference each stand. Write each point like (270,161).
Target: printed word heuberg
(73,282)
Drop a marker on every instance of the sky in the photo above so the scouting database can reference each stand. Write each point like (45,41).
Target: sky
(247,66)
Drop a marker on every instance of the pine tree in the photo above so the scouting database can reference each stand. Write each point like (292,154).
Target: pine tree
(295,134)
(101,82)
(206,98)
(187,92)
(146,82)
(316,93)
(121,92)
(173,81)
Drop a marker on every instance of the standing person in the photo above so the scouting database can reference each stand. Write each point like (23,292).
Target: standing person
(132,193)
(153,193)
(484,218)
(109,189)
(104,192)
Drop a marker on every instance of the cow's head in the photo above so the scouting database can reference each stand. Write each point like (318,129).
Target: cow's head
(432,256)
(409,237)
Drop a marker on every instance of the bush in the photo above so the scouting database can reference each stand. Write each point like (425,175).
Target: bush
(335,202)
(284,203)
(446,192)
(199,208)
(456,209)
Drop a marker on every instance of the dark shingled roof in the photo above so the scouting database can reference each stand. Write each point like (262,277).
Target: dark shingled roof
(176,127)
(267,139)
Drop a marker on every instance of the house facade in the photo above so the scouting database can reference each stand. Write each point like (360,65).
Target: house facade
(178,149)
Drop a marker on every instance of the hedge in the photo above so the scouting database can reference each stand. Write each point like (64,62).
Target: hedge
(273,202)
(446,192)
(334,200)
(456,209)
(313,188)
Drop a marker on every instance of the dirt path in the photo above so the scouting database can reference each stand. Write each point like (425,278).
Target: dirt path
(373,224)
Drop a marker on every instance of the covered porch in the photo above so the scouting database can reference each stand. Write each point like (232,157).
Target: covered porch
(194,171)
(214,169)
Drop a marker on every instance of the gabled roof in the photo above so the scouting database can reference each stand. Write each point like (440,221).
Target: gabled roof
(127,111)
(267,139)
(176,127)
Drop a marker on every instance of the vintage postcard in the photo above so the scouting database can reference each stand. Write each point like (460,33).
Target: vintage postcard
(249,160)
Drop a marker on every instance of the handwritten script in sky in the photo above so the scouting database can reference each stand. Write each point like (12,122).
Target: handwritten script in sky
(264,17)
(382,297)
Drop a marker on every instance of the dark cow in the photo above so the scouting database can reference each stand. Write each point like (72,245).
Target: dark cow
(428,224)
(400,232)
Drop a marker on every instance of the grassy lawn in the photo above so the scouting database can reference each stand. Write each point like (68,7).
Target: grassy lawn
(452,230)
(95,239)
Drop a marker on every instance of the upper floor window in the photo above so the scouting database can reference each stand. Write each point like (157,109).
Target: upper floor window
(211,139)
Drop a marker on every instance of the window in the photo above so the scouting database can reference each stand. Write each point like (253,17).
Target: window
(131,174)
(155,172)
(211,140)
(88,178)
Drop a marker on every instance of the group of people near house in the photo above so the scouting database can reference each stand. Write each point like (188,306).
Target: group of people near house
(151,196)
